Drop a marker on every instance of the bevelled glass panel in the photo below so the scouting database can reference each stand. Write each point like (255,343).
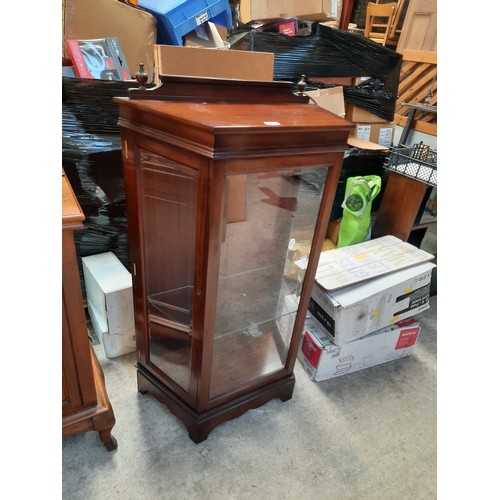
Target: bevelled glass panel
(269,223)
(169,229)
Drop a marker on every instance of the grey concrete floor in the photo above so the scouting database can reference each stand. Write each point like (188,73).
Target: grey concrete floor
(366,435)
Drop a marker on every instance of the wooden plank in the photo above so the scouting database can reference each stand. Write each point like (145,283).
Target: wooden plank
(418,84)
(426,128)
(418,125)
(422,56)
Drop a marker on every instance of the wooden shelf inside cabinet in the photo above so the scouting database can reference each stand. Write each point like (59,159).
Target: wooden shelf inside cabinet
(220,176)
(85,403)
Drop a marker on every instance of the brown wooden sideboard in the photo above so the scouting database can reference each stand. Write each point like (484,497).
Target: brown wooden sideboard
(85,403)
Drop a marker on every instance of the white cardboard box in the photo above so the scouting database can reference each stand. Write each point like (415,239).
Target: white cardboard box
(114,345)
(108,285)
(323,360)
(352,312)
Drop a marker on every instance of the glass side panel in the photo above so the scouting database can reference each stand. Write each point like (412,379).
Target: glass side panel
(169,228)
(268,225)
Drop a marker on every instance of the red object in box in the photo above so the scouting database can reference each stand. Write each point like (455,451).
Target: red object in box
(100,59)
(323,359)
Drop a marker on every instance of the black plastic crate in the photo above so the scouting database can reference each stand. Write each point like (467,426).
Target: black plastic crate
(418,162)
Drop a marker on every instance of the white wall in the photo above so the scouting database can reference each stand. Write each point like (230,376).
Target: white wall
(415,137)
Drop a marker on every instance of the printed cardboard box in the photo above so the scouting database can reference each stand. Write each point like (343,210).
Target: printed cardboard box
(323,360)
(379,133)
(352,312)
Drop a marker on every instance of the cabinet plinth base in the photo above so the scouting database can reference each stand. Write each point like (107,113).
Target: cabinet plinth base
(199,425)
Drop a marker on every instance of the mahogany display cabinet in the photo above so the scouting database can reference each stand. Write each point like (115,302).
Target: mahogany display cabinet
(225,181)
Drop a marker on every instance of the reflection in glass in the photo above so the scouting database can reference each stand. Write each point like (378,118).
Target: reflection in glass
(169,221)
(268,225)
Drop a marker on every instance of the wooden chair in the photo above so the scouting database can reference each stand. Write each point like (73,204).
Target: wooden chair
(395,30)
(379,20)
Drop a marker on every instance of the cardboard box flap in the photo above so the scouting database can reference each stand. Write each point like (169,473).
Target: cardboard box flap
(353,141)
(353,295)
(331,99)
(346,266)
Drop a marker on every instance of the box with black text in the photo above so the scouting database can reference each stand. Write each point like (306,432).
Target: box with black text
(354,311)
(323,360)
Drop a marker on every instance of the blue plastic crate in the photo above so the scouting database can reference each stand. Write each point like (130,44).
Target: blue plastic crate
(176,18)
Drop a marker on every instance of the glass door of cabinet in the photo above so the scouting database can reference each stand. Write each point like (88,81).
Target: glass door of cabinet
(268,225)
(169,194)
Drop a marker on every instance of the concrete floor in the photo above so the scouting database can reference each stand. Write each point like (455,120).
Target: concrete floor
(370,434)
(367,435)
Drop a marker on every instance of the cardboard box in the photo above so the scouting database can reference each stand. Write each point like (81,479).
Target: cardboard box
(251,10)
(372,136)
(331,99)
(378,133)
(114,345)
(352,312)
(135,28)
(197,61)
(339,80)
(323,360)
(108,285)
(360,115)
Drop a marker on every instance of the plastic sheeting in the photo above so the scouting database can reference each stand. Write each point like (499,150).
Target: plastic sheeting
(330,53)
(91,158)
